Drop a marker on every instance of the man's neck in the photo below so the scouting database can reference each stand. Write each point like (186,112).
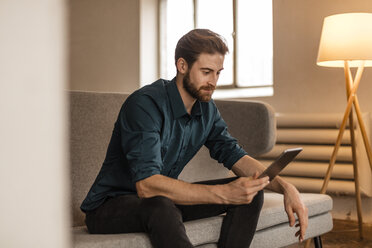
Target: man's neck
(188,100)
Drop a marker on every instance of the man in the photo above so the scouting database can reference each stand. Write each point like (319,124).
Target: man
(159,129)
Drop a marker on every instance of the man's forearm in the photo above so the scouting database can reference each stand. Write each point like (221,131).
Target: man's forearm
(248,166)
(237,192)
(180,192)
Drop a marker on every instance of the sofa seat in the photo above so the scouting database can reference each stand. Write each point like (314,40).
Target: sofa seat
(273,227)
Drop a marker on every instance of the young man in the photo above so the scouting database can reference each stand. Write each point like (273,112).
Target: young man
(159,129)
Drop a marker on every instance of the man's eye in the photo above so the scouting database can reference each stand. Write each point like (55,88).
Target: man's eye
(205,72)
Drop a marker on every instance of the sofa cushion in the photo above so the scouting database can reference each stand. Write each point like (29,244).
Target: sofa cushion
(282,235)
(200,232)
(273,220)
(273,212)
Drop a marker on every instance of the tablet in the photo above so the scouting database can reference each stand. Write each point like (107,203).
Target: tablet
(285,158)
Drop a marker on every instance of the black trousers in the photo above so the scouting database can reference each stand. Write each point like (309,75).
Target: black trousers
(163,220)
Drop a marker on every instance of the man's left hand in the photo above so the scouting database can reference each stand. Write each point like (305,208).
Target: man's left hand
(293,204)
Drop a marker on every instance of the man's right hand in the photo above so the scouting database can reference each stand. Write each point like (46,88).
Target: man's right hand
(243,189)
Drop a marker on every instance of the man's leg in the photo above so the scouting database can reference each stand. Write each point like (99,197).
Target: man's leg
(239,224)
(157,216)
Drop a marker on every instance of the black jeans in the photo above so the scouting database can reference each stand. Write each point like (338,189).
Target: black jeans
(163,220)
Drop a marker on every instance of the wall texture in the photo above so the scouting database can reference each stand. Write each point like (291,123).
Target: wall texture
(104,45)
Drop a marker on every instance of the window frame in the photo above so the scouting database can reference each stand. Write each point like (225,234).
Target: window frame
(234,85)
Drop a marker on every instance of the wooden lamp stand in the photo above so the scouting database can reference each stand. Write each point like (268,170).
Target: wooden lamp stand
(351,88)
(346,41)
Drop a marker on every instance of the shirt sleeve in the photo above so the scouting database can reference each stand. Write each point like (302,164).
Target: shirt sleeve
(140,124)
(222,146)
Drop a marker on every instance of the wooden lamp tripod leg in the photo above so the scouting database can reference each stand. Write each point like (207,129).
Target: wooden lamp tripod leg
(351,98)
(358,199)
(363,131)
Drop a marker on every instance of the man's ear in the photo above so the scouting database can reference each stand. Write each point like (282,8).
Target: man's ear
(182,65)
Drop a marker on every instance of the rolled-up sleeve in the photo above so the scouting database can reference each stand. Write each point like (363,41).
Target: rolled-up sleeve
(222,146)
(140,125)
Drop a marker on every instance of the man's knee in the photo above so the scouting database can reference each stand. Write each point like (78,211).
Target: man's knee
(160,208)
(258,200)
(256,203)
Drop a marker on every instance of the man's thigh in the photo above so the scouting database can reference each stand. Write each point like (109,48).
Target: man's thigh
(119,214)
(193,212)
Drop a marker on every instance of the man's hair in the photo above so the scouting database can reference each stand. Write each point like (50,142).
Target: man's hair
(198,41)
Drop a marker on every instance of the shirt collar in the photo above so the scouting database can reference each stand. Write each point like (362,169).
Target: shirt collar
(177,105)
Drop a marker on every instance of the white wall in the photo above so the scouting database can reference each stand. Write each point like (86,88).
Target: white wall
(33,164)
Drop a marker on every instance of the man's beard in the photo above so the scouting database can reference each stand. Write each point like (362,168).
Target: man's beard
(195,92)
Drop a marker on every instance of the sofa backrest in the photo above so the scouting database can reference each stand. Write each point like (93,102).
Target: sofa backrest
(92,118)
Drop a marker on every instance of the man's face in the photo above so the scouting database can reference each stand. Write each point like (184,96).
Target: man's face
(201,79)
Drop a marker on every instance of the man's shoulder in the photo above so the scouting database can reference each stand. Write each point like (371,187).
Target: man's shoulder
(150,97)
(155,91)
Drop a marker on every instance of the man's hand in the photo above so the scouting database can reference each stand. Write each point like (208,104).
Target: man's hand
(293,204)
(244,189)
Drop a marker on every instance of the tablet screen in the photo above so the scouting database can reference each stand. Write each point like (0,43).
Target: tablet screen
(282,161)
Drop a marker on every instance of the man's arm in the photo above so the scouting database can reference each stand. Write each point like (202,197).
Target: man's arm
(240,191)
(248,166)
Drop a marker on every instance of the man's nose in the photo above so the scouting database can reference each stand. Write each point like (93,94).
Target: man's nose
(214,80)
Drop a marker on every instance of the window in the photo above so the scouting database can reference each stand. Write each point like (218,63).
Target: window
(246,26)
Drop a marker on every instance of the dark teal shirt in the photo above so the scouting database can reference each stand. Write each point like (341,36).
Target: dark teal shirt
(155,135)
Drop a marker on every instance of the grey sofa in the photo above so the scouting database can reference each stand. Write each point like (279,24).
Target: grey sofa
(92,116)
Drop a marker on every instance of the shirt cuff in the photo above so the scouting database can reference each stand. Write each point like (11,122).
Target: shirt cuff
(234,158)
(144,173)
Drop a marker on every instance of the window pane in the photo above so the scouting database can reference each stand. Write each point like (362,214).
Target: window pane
(254,43)
(179,21)
(209,13)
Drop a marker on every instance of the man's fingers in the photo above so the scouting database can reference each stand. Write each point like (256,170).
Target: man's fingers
(303,218)
(254,182)
(259,187)
(291,216)
(303,222)
(255,185)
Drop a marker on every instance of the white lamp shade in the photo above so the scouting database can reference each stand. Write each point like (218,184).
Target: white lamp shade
(346,37)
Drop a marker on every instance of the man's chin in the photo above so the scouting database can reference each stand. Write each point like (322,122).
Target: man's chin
(205,98)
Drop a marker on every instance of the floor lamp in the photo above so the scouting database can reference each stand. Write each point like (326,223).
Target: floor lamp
(346,41)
